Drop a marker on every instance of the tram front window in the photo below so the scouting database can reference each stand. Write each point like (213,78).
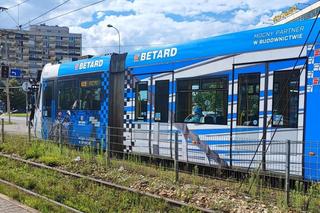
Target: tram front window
(68,94)
(248,99)
(90,94)
(47,98)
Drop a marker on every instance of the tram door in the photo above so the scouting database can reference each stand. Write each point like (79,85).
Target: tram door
(268,105)
(152,115)
(248,112)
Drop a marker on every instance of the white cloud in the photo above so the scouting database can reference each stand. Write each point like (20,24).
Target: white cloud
(100,14)
(149,24)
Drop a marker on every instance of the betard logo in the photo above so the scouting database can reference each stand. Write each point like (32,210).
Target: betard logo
(88,64)
(156,54)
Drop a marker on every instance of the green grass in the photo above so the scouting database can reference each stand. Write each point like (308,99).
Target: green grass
(19,114)
(16,114)
(78,193)
(205,192)
(29,200)
(7,123)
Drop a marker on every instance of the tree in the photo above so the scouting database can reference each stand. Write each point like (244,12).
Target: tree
(17,96)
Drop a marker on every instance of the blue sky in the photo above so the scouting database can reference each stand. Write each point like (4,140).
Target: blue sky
(145,23)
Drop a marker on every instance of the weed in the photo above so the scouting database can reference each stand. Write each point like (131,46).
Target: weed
(125,172)
(78,193)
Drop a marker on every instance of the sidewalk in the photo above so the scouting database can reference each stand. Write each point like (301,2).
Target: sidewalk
(18,126)
(7,205)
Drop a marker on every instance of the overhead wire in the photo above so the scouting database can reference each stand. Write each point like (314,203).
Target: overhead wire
(69,12)
(17,24)
(45,13)
(17,4)
(11,17)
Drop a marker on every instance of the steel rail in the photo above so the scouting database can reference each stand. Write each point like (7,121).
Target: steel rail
(107,183)
(39,196)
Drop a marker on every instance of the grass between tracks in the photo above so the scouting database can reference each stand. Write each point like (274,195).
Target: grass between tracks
(200,191)
(77,193)
(29,200)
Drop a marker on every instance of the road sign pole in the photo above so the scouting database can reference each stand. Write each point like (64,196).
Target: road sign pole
(2,129)
(27,109)
(8,100)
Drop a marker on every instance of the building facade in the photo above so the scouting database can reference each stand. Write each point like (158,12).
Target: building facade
(29,50)
(308,12)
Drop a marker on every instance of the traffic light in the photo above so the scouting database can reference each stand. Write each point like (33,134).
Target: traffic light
(4,71)
(39,75)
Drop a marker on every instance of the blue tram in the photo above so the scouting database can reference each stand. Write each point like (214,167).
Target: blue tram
(228,96)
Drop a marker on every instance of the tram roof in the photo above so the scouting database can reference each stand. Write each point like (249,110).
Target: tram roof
(272,37)
(179,55)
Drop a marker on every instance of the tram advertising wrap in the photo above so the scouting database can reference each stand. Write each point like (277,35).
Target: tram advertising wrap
(224,95)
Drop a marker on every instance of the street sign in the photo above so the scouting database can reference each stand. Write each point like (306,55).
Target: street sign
(15,73)
(26,86)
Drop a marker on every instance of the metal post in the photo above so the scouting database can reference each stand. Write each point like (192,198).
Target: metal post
(150,120)
(265,117)
(8,101)
(27,120)
(287,186)
(29,132)
(108,151)
(97,147)
(60,136)
(2,129)
(176,153)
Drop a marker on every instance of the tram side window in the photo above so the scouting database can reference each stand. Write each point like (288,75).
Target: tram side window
(202,101)
(285,99)
(141,101)
(90,94)
(47,98)
(248,99)
(161,101)
(68,95)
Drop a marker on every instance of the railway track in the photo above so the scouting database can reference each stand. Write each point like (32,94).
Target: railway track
(39,196)
(95,180)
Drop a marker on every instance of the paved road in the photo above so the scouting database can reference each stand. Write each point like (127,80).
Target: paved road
(8,205)
(18,126)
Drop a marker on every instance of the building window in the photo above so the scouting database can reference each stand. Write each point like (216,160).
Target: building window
(46,44)
(202,101)
(141,101)
(161,101)
(285,99)
(248,99)
(90,94)
(68,95)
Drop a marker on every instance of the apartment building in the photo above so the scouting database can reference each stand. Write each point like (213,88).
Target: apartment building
(29,50)
(308,12)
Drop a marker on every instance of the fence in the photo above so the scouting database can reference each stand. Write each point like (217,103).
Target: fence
(283,161)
